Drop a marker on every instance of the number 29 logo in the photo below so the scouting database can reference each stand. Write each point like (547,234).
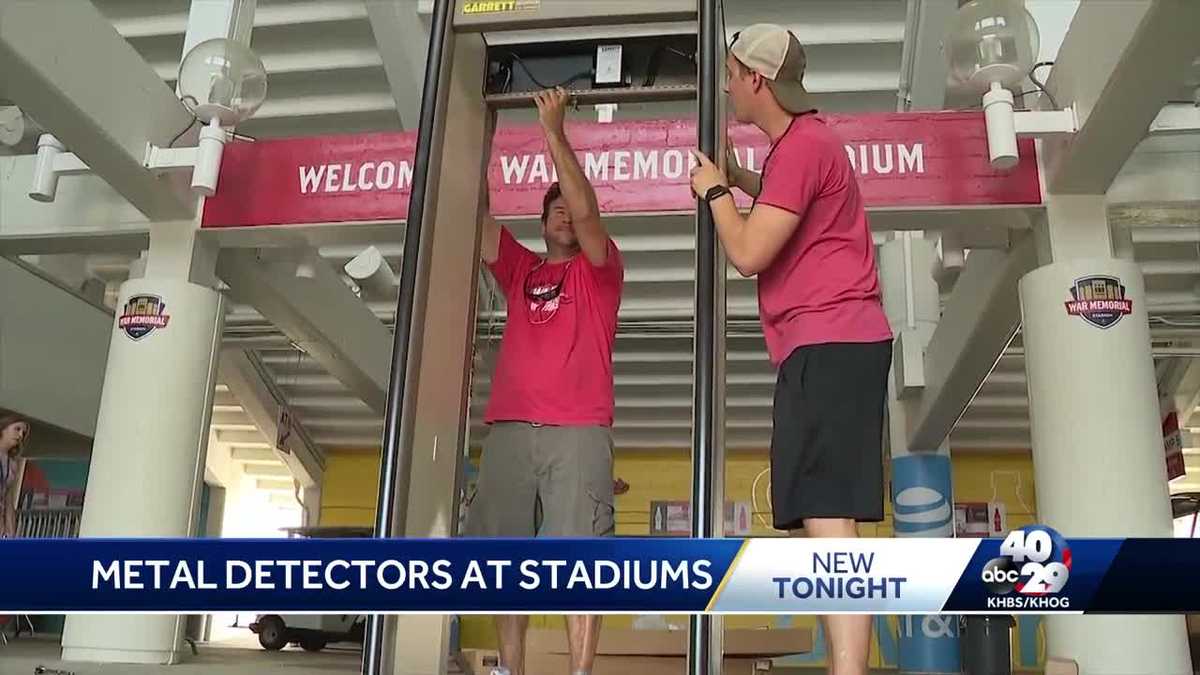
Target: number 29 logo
(1033,561)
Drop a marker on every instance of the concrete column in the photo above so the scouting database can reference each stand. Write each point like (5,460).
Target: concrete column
(1095,428)
(922,498)
(149,449)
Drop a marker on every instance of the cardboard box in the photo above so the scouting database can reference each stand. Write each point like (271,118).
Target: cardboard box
(663,652)
(480,661)
(1061,667)
(554,664)
(747,643)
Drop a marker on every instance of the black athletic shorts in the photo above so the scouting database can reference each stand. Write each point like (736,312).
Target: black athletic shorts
(827,442)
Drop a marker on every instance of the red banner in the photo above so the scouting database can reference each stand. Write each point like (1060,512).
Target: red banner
(903,160)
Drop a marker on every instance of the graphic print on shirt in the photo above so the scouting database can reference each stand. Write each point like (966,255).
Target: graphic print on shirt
(545,291)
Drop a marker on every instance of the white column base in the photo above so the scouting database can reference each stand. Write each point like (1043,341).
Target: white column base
(99,655)
(1155,644)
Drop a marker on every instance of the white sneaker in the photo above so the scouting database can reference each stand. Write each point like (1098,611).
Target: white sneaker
(500,671)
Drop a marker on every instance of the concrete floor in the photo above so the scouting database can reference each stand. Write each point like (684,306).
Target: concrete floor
(240,656)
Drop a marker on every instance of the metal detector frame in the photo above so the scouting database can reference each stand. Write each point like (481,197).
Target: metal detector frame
(441,250)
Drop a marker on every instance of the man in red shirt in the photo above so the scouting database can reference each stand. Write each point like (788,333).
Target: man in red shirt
(808,242)
(547,464)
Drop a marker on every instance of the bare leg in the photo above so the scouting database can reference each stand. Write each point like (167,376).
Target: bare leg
(511,631)
(583,634)
(847,636)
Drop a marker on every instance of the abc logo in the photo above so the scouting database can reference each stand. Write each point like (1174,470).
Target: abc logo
(1033,561)
(1000,575)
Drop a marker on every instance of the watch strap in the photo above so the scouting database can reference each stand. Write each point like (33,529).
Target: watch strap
(716,192)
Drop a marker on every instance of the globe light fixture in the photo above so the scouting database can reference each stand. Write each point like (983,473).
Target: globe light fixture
(221,82)
(991,48)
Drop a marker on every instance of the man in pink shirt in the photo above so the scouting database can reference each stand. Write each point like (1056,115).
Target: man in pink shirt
(547,464)
(807,241)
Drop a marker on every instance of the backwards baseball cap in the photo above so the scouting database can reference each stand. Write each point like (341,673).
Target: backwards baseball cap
(773,52)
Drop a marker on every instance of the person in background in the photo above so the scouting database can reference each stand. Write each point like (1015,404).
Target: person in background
(808,242)
(547,463)
(14,433)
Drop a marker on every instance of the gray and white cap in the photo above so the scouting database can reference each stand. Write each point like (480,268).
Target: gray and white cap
(774,52)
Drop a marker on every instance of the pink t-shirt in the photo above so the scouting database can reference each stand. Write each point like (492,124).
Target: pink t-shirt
(555,364)
(823,285)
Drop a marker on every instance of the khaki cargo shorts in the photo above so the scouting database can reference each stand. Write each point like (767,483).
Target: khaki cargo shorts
(543,481)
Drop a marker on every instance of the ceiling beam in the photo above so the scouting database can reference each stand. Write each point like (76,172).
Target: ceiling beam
(1182,386)
(1119,63)
(67,66)
(243,439)
(923,69)
(275,485)
(247,380)
(320,314)
(267,471)
(254,456)
(402,35)
(980,319)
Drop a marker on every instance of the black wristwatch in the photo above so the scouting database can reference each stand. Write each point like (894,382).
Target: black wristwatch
(716,192)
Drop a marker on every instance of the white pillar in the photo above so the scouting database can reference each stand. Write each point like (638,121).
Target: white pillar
(1093,409)
(922,499)
(148,454)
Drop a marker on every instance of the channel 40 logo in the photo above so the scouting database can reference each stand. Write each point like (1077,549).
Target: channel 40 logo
(1031,571)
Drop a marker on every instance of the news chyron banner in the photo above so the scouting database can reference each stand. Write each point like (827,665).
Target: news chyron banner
(1032,570)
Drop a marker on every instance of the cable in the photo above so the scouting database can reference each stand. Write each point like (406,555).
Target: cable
(656,61)
(190,124)
(529,73)
(690,57)
(1041,85)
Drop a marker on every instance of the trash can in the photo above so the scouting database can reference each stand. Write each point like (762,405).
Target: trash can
(987,645)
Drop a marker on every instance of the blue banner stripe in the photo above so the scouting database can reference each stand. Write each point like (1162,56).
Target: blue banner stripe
(364,575)
(1150,575)
(616,575)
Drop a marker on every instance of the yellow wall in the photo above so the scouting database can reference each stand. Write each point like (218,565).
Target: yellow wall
(349,491)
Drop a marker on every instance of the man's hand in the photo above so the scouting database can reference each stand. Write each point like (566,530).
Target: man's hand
(552,109)
(749,182)
(706,175)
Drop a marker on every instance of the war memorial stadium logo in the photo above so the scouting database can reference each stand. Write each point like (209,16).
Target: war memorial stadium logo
(143,314)
(1099,300)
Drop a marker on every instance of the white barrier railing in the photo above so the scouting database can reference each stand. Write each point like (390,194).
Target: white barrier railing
(56,523)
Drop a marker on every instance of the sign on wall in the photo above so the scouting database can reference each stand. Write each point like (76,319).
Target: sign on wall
(1173,445)
(674,519)
(980,519)
(901,160)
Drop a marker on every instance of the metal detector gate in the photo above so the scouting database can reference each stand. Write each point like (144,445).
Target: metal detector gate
(426,417)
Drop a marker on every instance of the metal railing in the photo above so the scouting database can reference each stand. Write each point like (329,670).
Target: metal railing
(52,523)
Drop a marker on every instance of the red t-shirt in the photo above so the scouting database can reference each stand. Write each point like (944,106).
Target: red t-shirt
(555,364)
(823,285)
